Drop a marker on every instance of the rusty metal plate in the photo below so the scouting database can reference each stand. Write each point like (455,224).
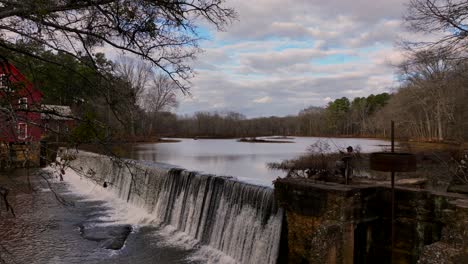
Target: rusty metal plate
(389,161)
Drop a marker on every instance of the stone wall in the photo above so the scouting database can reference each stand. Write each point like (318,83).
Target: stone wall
(333,223)
(20,155)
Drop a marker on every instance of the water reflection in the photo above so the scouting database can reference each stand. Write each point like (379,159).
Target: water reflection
(246,161)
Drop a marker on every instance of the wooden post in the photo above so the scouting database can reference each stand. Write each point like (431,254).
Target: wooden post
(393,192)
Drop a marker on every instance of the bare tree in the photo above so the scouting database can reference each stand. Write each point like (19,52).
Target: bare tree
(133,78)
(429,73)
(434,70)
(163,32)
(136,73)
(160,95)
(448,18)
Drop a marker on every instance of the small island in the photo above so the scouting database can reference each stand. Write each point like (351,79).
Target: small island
(262,140)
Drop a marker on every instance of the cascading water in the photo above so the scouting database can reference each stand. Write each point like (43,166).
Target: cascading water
(239,219)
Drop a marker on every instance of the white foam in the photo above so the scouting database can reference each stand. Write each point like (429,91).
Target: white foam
(122,212)
(226,220)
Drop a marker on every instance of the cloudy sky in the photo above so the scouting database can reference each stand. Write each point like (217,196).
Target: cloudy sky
(284,55)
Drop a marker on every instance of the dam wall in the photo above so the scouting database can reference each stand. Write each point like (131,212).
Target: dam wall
(335,223)
(240,219)
(299,221)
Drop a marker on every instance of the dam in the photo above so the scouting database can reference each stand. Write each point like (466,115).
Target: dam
(296,222)
(239,219)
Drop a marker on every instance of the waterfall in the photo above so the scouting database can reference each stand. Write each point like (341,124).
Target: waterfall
(240,219)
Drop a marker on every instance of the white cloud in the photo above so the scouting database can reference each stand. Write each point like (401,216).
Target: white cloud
(263,100)
(298,53)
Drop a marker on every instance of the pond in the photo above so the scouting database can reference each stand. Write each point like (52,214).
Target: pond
(245,161)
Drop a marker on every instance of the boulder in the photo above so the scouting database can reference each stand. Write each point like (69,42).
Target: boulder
(109,237)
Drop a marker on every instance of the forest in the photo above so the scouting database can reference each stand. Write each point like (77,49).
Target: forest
(132,103)
(430,105)
(134,98)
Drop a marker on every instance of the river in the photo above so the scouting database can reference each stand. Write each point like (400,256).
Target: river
(245,161)
(45,231)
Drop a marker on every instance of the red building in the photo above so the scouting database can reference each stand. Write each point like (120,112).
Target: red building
(20,105)
(57,121)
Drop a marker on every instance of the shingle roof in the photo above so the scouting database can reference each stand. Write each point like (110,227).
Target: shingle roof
(56,112)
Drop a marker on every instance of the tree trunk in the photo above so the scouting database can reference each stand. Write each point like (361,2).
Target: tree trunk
(439,124)
(132,124)
(429,128)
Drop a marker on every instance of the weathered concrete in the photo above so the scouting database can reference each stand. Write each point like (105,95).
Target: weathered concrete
(19,155)
(333,223)
(453,245)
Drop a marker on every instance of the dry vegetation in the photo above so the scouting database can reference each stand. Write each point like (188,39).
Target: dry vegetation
(438,168)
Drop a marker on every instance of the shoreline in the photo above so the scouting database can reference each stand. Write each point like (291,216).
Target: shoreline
(290,139)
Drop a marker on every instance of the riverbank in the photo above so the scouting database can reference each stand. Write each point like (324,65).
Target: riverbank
(145,140)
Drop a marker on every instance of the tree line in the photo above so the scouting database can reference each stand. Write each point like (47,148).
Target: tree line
(341,117)
(430,105)
(118,103)
(56,45)
(132,100)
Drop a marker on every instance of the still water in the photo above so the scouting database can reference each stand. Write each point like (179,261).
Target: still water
(245,161)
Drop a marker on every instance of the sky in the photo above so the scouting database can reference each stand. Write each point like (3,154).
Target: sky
(281,56)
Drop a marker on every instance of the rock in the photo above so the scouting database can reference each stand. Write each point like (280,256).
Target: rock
(438,253)
(412,182)
(109,237)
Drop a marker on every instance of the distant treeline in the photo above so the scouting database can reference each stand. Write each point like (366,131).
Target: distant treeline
(130,102)
(340,117)
(430,105)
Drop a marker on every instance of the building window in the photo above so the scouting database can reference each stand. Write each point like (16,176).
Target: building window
(22,131)
(23,103)
(3,81)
